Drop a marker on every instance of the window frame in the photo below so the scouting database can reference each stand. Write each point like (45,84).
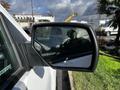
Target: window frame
(16,75)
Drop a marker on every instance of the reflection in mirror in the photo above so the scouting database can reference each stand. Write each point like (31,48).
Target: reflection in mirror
(61,46)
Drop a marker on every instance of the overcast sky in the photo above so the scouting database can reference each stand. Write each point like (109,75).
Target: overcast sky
(59,8)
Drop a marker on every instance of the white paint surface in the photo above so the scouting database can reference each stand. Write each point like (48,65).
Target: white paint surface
(38,78)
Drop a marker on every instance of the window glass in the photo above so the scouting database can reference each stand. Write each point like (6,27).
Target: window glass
(8,62)
(57,42)
(53,36)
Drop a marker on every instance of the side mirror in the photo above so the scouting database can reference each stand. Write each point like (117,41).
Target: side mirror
(67,46)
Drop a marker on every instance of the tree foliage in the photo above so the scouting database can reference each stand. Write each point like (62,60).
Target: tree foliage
(115,22)
(102,5)
(5,4)
(116,2)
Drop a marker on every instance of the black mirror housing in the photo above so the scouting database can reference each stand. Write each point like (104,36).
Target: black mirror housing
(66,46)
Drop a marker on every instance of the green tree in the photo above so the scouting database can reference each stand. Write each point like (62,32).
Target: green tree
(116,2)
(5,4)
(102,5)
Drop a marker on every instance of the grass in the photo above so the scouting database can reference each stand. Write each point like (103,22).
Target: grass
(105,77)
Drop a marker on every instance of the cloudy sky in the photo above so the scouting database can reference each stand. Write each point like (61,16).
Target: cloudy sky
(59,8)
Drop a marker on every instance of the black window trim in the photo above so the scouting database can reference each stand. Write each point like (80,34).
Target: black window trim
(15,76)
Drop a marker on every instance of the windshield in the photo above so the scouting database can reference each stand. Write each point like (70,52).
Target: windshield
(86,11)
(61,9)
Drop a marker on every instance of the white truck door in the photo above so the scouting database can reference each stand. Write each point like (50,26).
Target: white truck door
(38,78)
(11,69)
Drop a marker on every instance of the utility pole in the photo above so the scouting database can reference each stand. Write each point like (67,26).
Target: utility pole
(32,11)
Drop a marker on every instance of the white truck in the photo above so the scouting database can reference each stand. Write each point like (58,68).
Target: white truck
(108,29)
(30,64)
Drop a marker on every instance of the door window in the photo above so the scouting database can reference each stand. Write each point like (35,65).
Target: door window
(8,59)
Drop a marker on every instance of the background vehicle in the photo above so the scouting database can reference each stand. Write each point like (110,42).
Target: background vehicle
(108,29)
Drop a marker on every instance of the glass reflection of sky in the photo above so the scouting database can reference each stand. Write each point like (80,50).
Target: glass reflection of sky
(59,8)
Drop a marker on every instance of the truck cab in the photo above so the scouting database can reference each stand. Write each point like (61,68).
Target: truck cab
(15,70)
(22,66)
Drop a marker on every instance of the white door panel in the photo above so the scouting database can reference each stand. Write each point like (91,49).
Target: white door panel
(38,78)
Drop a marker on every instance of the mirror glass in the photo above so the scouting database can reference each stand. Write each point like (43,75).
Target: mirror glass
(64,46)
